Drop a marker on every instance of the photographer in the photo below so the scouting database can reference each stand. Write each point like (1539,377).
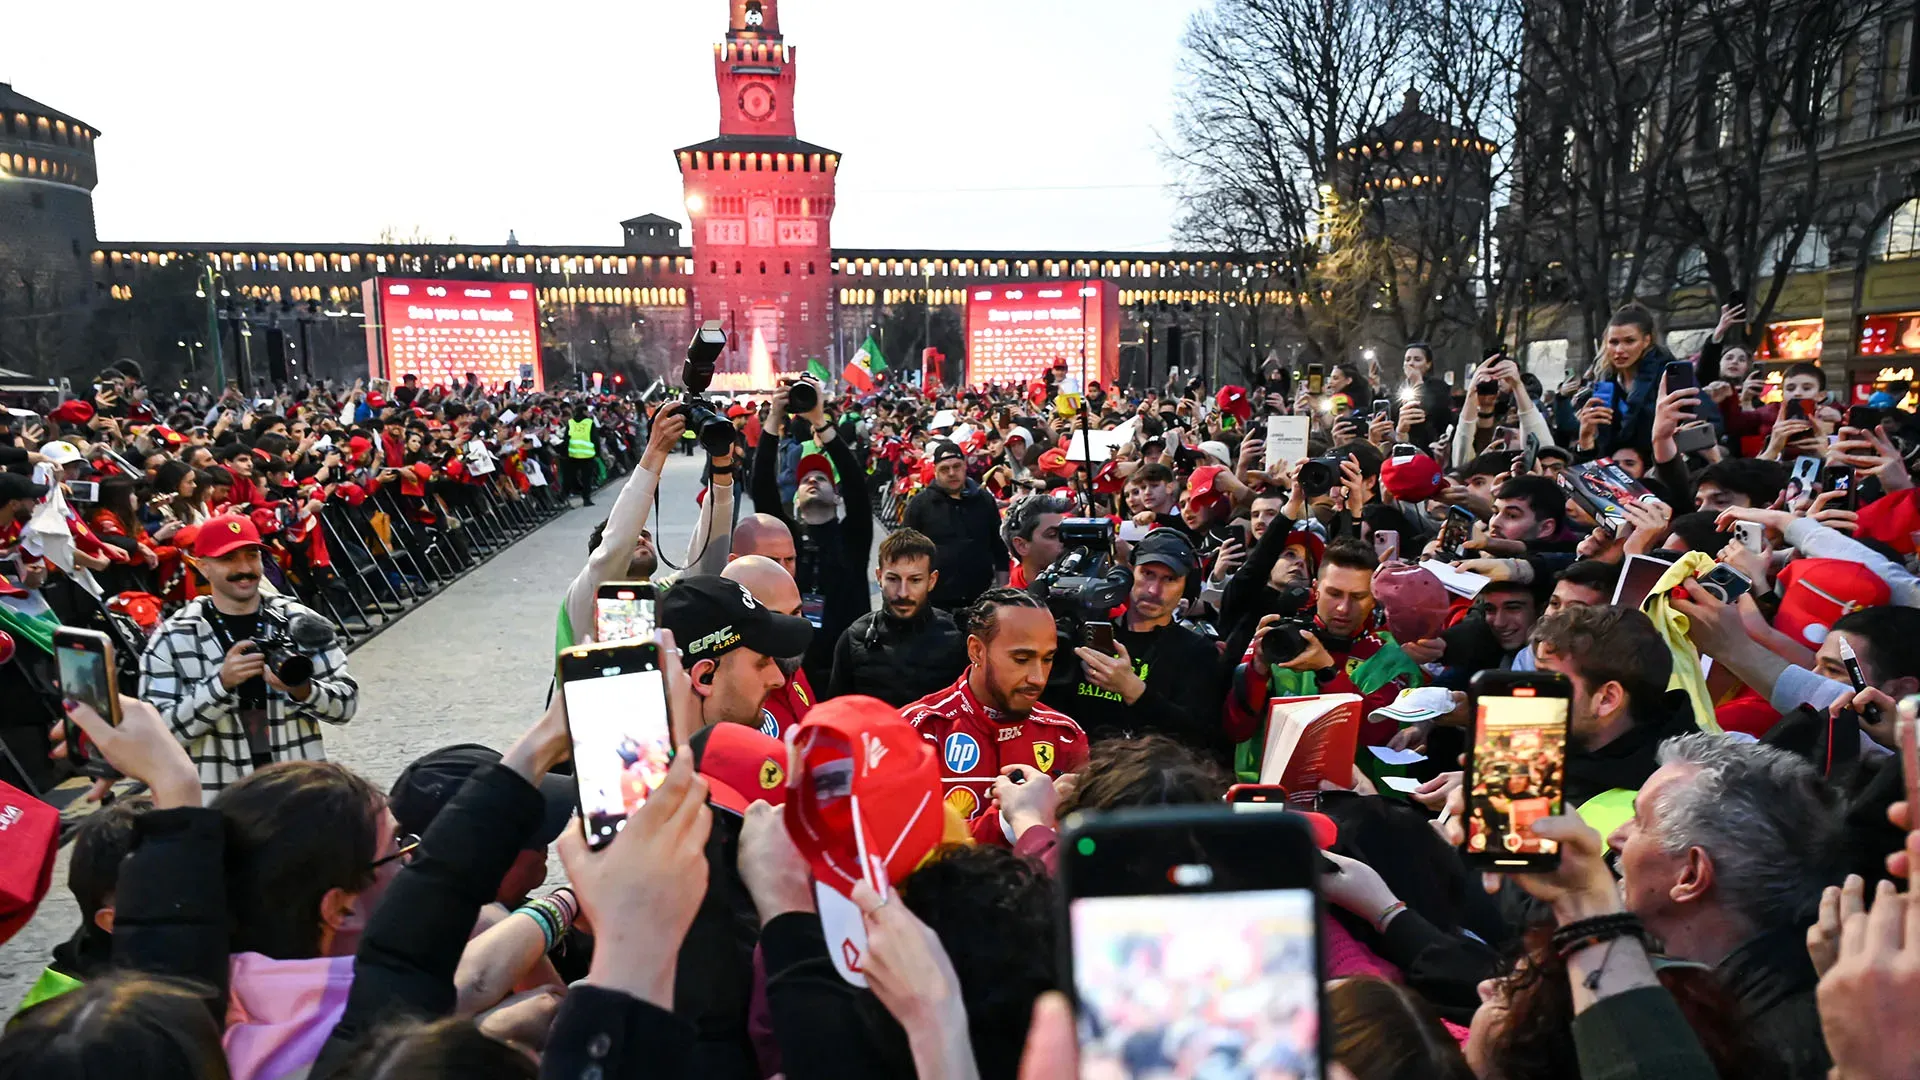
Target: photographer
(1338,653)
(831,548)
(236,673)
(1159,678)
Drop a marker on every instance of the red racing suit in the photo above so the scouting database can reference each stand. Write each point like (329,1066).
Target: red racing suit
(963,731)
(787,706)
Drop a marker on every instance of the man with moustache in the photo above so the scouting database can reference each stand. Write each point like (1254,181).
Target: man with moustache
(207,674)
(769,582)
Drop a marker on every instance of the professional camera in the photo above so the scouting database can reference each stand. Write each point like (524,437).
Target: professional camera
(1084,583)
(290,646)
(802,397)
(711,425)
(1283,642)
(1319,475)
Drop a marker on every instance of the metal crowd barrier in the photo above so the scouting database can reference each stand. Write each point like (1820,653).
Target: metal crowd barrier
(380,574)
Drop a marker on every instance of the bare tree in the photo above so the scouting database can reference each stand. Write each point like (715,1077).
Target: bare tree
(1757,107)
(1271,89)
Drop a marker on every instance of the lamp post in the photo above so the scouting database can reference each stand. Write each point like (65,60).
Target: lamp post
(210,279)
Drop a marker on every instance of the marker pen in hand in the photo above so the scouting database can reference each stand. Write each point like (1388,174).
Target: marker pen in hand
(1847,656)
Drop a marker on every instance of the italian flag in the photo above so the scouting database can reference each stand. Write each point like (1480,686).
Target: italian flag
(864,366)
(818,370)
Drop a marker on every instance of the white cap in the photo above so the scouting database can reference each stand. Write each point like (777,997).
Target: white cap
(1218,451)
(1415,705)
(62,452)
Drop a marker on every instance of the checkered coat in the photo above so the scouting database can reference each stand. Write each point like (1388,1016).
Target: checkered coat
(180,676)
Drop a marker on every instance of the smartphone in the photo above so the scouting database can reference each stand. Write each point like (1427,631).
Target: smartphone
(1737,299)
(1839,478)
(616,699)
(86,491)
(1456,530)
(1681,376)
(1100,638)
(623,611)
(84,666)
(1796,409)
(1316,378)
(1603,392)
(1257,796)
(1218,912)
(1386,545)
(1516,768)
(1864,417)
(1725,583)
(1383,409)
(1752,535)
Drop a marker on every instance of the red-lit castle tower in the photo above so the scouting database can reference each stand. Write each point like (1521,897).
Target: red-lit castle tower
(761,202)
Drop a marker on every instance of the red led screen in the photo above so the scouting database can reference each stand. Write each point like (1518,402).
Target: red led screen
(1014,332)
(441,330)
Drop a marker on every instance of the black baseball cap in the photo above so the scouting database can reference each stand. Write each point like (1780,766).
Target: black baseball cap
(14,486)
(426,786)
(942,449)
(711,616)
(1168,547)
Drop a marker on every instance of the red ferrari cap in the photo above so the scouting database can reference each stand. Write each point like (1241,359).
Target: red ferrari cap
(1411,477)
(864,800)
(1233,401)
(1815,593)
(224,533)
(741,764)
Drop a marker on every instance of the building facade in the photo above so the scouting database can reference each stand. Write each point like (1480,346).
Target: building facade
(1851,299)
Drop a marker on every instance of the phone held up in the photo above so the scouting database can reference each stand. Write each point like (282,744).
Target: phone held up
(623,611)
(1316,378)
(1212,907)
(84,663)
(1455,531)
(1100,638)
(1516,771)
(1906,729)
(616,699)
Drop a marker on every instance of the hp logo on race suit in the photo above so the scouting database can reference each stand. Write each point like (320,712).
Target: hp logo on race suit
(961,752)
(768,725)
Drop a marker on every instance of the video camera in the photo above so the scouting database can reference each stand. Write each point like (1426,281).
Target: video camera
(291,645)
(1084,583)
(711,425)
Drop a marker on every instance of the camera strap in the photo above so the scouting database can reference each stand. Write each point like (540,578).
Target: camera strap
(251,695)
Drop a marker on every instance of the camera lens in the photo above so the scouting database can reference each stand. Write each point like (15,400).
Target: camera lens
(1282,643)
(294,670)
(1318,476)
(803,397)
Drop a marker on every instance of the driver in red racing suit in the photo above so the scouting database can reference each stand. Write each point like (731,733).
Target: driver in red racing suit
(992,716)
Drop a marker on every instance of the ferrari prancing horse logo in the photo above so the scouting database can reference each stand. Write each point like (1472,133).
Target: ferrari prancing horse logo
(1043,756)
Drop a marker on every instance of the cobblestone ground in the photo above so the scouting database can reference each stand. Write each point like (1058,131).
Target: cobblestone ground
(470,665)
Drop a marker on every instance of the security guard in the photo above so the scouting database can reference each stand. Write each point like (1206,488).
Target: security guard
(583,447)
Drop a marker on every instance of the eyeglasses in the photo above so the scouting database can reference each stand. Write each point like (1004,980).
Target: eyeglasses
(404,846)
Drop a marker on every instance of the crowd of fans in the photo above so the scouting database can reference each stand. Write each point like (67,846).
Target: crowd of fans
(1090,599)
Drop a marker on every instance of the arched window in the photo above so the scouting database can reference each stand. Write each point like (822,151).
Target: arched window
(1899,236)
(1811,254)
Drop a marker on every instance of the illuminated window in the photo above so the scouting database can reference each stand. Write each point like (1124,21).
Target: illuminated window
(1899,236)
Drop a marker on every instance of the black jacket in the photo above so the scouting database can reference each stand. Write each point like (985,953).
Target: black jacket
(826,1028)
(170,903)
(713,983)
(1183,697)
(1627,761)
(829,559)
(966,531)
(1775,982)
(898,661)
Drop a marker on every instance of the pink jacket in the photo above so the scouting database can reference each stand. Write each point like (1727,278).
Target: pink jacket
(280,1012)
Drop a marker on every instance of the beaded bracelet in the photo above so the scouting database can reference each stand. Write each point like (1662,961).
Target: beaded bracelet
(546,914)
(1600,929)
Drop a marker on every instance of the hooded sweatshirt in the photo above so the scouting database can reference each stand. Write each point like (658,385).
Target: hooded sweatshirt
(280,1012)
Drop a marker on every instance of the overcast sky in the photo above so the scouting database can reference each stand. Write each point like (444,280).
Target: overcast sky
(990,124)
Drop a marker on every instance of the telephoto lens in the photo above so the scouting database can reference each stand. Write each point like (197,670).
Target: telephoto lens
(802,397)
